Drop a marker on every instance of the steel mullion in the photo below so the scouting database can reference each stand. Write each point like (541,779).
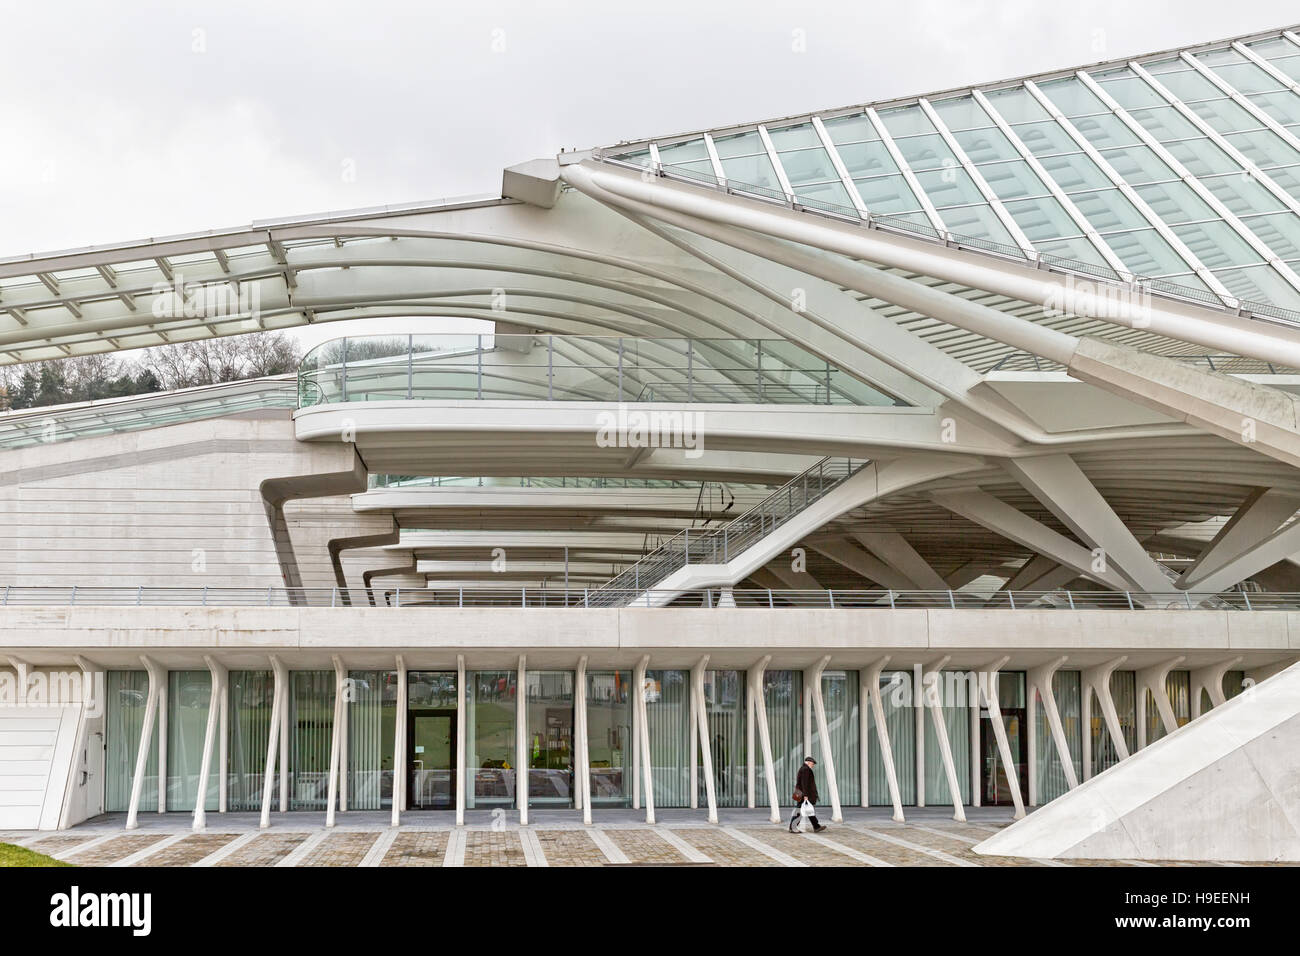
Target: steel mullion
(1266,66)
(1080,220)
(1213,201)
(775,159)
(990,197)
(1161,227)
(915,184)
(717,162)
(841,170)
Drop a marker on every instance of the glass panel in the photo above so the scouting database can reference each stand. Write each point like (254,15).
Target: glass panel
(976,222)
(1145,252)
(1217,245)
(926,152)
(986,145)
(887,194)
(1283,107)
(867,159)
(1128,89)
(961,112)
(1072,98)
(900,729)
(188,693)
(1042,218)
(490,737)
(1051,774)
(690,151)
(1225,116)
(751,171)
(1122,692)
(1109,209)
(1074,171)
(949,187)
(1017,105)
(1106,131)
(668,708)
(1280,232)
(372,717)
(954,700)
(1045,138)
(1175,202)
(1265,148)
(1165,123)
(1234,682)
(1013,180)
(550,738)
(856,128)
(609,737)
(738,144)
(1178,689)
(1079,249)
(1138,164)
(1242,195)
(252,695)
(1242,75)
(724,704)
(794,137)
(311,722)
(997,779)
(1189,85)
(808,166)
(840,699)
(906,121)
(833,193)
(1259,284)
(127,693)
(783,698)
(1202,157)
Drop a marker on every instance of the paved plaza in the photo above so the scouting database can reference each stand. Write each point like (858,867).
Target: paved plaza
(930,837)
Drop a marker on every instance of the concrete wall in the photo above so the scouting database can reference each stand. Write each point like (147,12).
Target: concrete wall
(178,506)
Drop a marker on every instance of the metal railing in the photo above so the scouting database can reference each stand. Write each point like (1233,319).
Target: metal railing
(1041,260)
(532,597)
(575,368)
(720,545)
(1228,364)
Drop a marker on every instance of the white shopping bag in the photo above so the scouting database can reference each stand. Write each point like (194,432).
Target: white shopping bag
(807,809)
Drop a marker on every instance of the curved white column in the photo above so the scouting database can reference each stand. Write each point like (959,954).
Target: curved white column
(755,676)
(1040,679)
(814,677)
(215,696)
(1097,679)
(644,735)
(156,675)
(1210,679)
(989,686)
(273,738)
(702,725)
(399,748)
(930,694)
(870,677)
(521,741)
(336,742)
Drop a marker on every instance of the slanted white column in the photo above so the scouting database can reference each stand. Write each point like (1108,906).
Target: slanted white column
(209,739)
(918,734)
(336,734)
(702,723)
(461,782)
(162,740)
(930,695)
(749,744)
(156,676)
(223,740)
(764,737)
(1097,679)
(399,745)
(1041,678)
(635,742)
(644,733)
(285,691)
(864,750)
(1210,679)
(870,677)
(974,703)
(1153,679)
(521,741)
(582,792)
(692,742)
(814,677)
(989,683)
(273,739)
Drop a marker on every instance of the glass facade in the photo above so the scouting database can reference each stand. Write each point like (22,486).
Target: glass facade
(1180,168)
(783,697)
(1178,686)
(550,738)
(372,717)
(1051,778)
(897,699)
(1124,695)
(724,708)
(490,737)
(188,693)
(127,693)
(252,694)
(609,737)
(954,697)
(668,718)
(840,698)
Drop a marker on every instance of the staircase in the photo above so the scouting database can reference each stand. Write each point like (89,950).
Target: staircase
(718,546)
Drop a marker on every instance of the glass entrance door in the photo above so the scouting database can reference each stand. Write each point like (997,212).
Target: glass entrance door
(432,758)
(995,777)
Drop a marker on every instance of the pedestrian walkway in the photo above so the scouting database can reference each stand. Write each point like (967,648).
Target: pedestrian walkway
(866,838)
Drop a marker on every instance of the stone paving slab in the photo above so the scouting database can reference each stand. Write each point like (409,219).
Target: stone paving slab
(881,850)
(266,850)
(570,848)
(426,848)
(113,850)
(494,848)
(645,847)
(56,845)
(188,851)
(724,850)
(340,849)
(961,849)
(805,851)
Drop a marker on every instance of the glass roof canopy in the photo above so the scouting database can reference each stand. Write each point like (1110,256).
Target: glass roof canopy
(1179,169)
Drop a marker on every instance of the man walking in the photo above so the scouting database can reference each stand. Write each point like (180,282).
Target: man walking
(805,790)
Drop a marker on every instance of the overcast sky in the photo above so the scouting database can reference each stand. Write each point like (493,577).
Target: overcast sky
(126,119)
